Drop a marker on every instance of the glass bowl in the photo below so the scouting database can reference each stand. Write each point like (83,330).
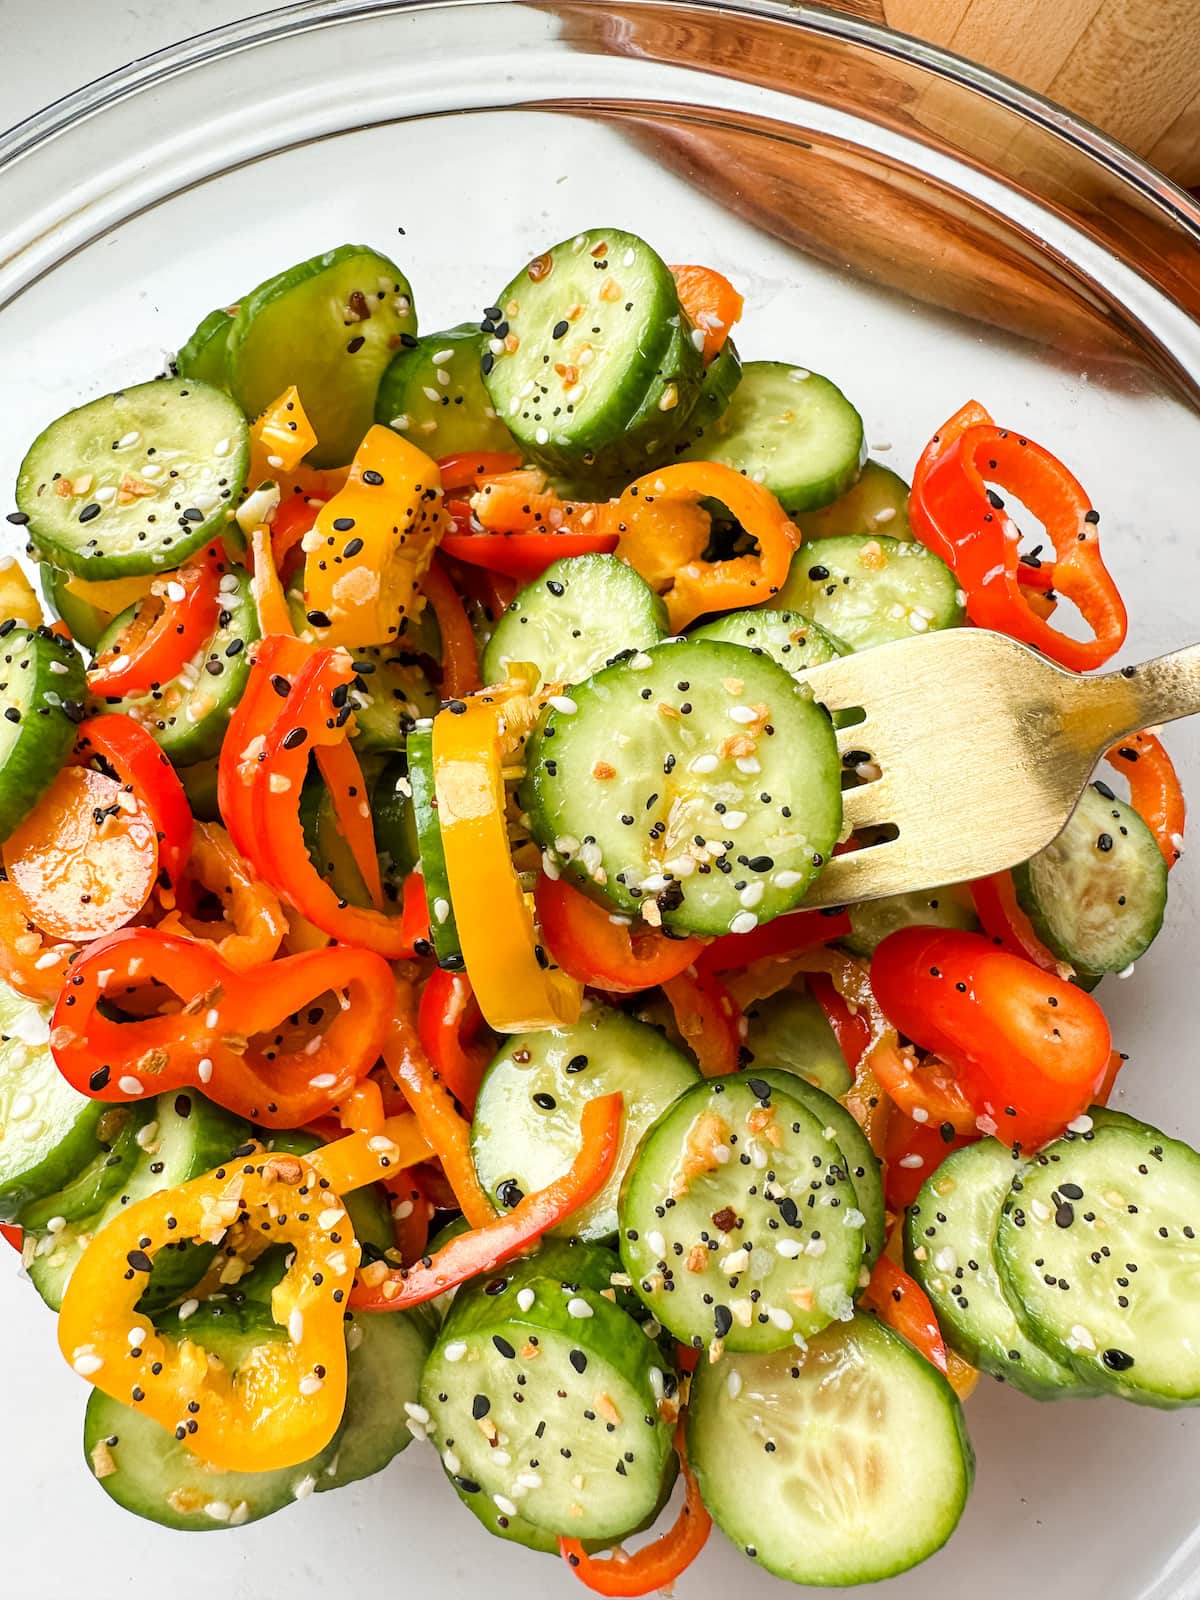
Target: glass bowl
(918,229)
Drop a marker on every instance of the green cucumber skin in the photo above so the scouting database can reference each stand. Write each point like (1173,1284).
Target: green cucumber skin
(179,420)
(852,583)
(1098,909)
(443,930)
(105,1174)
(33,1094)
(165,713)
(599,597)
(42,682)
(461,418)
(396,696)
(721,378)
(878,503)
(205,355)
(337,385)
(872,920)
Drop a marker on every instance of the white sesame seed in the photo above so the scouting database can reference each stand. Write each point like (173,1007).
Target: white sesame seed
(211,1017)
(945,1260)
(542,436)
(657,1383)
(455,1351)
(733,819)
(1081,1338)
(578,1307)
(1081,1124)
(295,1326)
(303,1488)
(218,1510)
(736,1261)
(323,1080)
(1126,972)
(204,1070)
(789,1249)
(564,704)
(1040,1210)
(188,1309)
(86,1365)
(310,1384)
(525,1299)
(136,1336)
(852,1217)
(815,1248)
(130,1085)
(752,894)
(912,1162)
(440,357)
(704,763)
(61,668)
(240,1514)
(744,922)
(786,879)
(451,1463)
(742,714)
(504,1505)
(748,765)
(919,1114)
(529,1480)
(443,377)
(417,1412)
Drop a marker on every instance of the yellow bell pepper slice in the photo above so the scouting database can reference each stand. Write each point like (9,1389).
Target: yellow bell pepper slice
(495,923)
(17,598)
(111,595)
(284,1402)
(372,543)
(280,438)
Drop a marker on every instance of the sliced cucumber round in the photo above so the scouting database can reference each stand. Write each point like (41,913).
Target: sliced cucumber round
(1098,1252)
(872,920)
(42,687)
(434,395)
(395,820)
(526,1128)
(386,1357)
(581,613)
(721,378)
(48,1130)
(330,326)
(789,429)
(690,741)
(1097,895)
(859,1161)
(188,715)
(948,1237)
(136,481)
(390,697)
(787,637)
(878,503)
(869,590)
(578,342)
(117,1151)
(205,355)
(546,1402)
(841,1464)
(789,1030)
(673,393)
(739,1224)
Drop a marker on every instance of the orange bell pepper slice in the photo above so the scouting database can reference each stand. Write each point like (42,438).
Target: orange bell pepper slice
(253,923)
(1154,790)
(711,302)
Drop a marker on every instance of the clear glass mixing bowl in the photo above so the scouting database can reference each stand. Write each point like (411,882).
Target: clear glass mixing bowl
(911,225)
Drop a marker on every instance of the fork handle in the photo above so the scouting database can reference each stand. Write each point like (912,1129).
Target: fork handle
(1138,697)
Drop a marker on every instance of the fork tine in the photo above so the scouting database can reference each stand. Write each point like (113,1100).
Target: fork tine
(869,803)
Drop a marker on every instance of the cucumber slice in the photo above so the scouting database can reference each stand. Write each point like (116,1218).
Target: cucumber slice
(48,1130)
(117,1151)
(206,354)
(809,1460)
(792,640)
(395,821)
(200,785)
(581,613)
(948,1237)
(1097,895)
(392,694)
(546,1402)
(739,1201)
(41,695)
(328,325)
(190,1136)
(673,393)
(642,759)
(136,481)
(871,590)
(791,430)
(1097,1252)
(878,503)
(383,1380)
(859,1161)
(526,1128)
(443,930)
(433,394)
(189,714)
(577,345)
(87,624)
(789,1030)
(872,920)
(721,379)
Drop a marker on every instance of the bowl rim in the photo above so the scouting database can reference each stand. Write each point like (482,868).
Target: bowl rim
(201,49)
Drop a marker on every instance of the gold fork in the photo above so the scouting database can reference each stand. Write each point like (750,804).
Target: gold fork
(983,748)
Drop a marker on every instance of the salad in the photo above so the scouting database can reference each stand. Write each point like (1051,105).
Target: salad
(413,1028)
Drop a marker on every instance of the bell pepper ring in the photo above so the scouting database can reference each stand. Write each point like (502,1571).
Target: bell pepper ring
(381,1288)
(274,666)
(899,1300)
(125,751)
(460,653)
(1154,790)
(588,945)
(454,1035)
(285,1402)
(711,302)
(785,936)
(253,923)
(170,625)
(372,543)
(956,514)
(708,1019)
(514,989)
(210,1042)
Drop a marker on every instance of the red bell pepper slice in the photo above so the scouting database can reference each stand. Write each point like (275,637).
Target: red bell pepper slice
(656,1565)
(851,1029)
(460,653)
(1028,1049)
(14,1236)
(955,513)
(484,1249)
(914,1152)
(708,1019)
(464,471)
(1154,790)
(900,1301)
(589,946)
(524,556)
(124,749)
(165,632)
(454,1035)
(222,1040)
(274,666)
(789,935)
(1004,922)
